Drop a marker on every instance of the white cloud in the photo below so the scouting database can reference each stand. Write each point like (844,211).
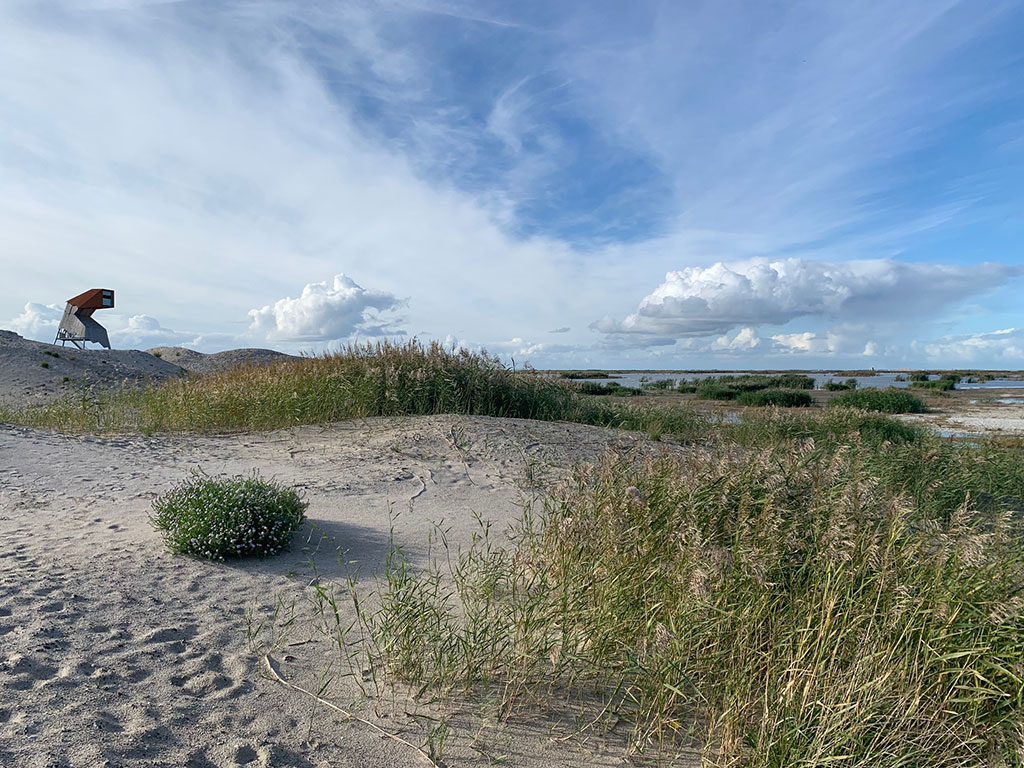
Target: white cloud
(211,158)
(699,301)
(745,340)
(998,348)
(326,311)
(38,321)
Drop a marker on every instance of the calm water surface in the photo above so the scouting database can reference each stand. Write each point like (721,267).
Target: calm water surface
(880,380)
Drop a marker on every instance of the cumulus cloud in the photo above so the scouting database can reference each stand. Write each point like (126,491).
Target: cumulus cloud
(745,340)
(146,332)
(38,321)
(996,347)
(702,301)
(325,311)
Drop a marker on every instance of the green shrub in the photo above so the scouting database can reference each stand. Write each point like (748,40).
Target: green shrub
(942,385)
(829,428)
(239,516)
(660,384)
(883,400)
(44,364)
(786,398)
(918,376)
(686,388)
(753,382)
(611,388)
(709,390)
(840,386)
(585,375)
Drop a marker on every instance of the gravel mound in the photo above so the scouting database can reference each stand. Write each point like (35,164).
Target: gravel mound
(197,362)
(32,372)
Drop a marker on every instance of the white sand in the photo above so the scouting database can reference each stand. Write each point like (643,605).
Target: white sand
(115,653)
(985,418)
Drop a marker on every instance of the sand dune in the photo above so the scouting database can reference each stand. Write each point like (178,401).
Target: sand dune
(199,362)
(33,371)
(114,652)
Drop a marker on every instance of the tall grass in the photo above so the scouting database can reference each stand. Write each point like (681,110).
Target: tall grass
(782,398)
(361,381)
(781,607)
(884,400)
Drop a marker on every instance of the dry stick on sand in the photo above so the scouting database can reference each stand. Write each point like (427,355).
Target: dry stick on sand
(345,713)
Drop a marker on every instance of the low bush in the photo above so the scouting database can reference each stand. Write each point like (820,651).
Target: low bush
(942,385)
(660,384)
(918,376)
(884,400)
(753,382)
(840,386)
(709,390)
(785,398)
(218,519)
(611,388)
(585,375)
(829,428)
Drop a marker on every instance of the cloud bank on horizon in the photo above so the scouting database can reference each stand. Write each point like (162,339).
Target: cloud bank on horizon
(645,185)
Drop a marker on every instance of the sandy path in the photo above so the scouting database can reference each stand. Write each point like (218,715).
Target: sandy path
(115,653)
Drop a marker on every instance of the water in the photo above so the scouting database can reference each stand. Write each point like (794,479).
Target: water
(880,380)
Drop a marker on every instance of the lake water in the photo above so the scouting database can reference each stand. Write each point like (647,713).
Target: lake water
(880,380)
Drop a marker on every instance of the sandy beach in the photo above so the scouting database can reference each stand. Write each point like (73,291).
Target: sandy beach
(115,653)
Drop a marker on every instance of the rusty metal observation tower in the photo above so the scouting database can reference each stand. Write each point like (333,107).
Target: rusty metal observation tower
(77,325)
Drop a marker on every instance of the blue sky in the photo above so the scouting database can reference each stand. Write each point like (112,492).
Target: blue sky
(600,184)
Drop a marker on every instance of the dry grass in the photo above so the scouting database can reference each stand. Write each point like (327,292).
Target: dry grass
(779,607)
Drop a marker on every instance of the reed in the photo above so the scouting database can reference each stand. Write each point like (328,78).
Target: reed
(778,607)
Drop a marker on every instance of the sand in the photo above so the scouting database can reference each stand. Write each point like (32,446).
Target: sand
(199,362)
(33,372)
(991,412)
(114,652)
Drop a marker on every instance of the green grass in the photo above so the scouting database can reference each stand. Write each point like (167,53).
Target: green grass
(610,388)
(358,382)
(884,400)
(711,390)
(753,382)
(660,384)
(218,519)
(783,398)
(787,606)
(942,385)
(840,386)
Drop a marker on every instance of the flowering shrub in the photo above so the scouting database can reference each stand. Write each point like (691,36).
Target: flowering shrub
(234,517)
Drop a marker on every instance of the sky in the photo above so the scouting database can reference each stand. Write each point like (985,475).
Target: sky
(667,185)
